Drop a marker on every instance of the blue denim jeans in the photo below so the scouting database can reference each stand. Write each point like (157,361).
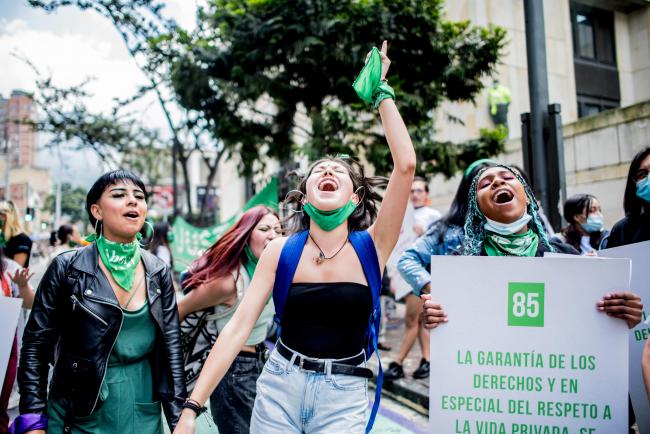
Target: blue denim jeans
(293,401)
(231,403)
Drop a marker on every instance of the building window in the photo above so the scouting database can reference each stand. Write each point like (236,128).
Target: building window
(596,73)
(585,37)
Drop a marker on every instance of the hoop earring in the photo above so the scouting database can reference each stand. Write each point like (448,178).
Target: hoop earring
(361,187)
(143,244)
(99,222)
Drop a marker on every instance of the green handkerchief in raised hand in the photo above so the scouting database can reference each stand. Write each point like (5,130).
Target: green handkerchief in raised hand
(369,77)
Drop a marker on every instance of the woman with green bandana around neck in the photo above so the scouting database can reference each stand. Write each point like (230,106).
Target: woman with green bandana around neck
(503,220)
(110,311)
(318,364)
(217,281)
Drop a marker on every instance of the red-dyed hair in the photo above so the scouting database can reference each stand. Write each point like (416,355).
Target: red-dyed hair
(226,254)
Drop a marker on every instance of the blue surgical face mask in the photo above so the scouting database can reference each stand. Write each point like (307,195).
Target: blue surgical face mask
(507,228)
(595,223)
(643,189)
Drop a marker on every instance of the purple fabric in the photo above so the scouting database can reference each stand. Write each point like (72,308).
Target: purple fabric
(28,422)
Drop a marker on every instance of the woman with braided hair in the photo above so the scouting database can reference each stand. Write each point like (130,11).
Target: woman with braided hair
(503,220)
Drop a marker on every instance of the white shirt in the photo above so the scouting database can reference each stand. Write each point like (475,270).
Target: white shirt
(425,216)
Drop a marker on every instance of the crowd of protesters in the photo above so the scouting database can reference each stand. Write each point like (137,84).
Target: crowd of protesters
(124,352)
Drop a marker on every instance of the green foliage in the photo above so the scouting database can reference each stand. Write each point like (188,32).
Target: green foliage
(73,203)
(254,66)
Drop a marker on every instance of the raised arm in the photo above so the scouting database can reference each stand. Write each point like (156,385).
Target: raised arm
(385,231)
(235,333)
(217,291)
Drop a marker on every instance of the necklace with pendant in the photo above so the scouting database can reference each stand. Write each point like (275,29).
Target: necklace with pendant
(321,255)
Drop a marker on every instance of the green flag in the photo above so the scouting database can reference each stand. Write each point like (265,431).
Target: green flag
(190,241)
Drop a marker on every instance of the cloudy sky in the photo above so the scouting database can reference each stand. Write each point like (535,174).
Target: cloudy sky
(71,45)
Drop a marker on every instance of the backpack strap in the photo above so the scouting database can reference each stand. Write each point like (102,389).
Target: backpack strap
(287,264)
(365,248)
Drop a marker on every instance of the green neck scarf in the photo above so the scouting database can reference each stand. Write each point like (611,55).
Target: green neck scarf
(511,245)
(328,220)
(120,259)
(250,261)
(3,242)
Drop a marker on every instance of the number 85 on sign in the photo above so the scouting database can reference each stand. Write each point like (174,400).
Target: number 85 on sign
(525,304)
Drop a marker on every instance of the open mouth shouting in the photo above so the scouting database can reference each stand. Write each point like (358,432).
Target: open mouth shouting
(328,185)
(502,196)
(132,215)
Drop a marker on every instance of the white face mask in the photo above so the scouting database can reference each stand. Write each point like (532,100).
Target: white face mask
(507,228)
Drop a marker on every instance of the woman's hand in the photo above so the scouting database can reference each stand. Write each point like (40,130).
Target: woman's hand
(21,277)
(385,61)
(432,312)
(187,422)
(38,431)
(623,305)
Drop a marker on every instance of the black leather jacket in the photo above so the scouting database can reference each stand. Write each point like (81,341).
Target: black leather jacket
(75,321)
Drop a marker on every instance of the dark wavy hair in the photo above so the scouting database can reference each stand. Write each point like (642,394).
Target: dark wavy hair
(226,254)
(103,182)
(633,204)
(578,204)
(61,235)
(364,214)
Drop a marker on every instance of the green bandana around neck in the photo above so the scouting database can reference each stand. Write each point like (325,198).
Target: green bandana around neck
(250,261)
(328,220)
(120,259)
(511,245)
(3,242)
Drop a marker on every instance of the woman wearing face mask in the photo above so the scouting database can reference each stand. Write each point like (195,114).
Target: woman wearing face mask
(315,380)
(503,221)
(110,311)
(586,227)
(635,226)
(218,280)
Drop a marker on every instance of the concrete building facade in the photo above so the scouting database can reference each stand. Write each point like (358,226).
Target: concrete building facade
(598,60)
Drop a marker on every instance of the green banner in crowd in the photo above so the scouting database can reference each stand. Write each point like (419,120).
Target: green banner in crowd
(190,241)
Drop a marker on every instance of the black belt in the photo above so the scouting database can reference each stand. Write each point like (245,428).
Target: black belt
(261,353)
(343,367)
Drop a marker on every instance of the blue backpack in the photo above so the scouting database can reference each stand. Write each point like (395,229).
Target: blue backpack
(365,249)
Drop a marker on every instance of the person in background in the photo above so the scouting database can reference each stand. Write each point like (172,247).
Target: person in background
(424,217)
(66,238)
(160,240)
(16,244)
(14,282)
(586,227)
(635,226)
(444,237)
(423,214)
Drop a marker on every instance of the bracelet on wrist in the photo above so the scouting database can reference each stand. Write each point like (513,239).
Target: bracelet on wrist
(193,405)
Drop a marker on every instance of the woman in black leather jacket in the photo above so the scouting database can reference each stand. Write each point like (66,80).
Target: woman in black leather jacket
(105,316)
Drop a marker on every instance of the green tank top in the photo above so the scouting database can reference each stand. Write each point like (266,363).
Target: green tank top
(223,314)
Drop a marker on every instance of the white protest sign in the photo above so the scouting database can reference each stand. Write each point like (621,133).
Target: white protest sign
(525,350)
(9,312)
(639,253)
(406,238)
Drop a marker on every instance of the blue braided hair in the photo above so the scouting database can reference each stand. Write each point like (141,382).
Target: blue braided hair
(475,221)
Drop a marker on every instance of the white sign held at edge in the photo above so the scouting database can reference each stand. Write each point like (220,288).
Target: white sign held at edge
(525,347)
